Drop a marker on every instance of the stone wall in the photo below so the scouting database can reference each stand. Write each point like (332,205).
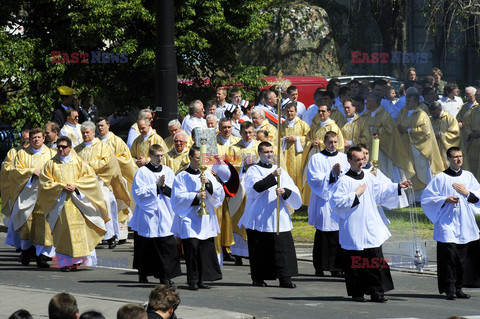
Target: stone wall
(299,41)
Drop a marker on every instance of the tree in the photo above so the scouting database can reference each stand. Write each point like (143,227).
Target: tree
(121,30)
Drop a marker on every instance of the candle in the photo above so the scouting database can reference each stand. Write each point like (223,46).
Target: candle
(203,154)
(375,148)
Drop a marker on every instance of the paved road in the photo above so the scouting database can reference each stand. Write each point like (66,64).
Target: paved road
(106,289)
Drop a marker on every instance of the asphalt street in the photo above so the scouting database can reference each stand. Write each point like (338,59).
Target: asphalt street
(113,283)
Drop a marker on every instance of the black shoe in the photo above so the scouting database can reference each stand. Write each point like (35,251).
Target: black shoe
(359,299)
(287,284)
(142,279)
(228,257)
(65,269)
(202,285)
(193,286)
(112,242)
(121,241)
(451,296)
(42,262)
(238,261)
(259,283)
(461,295)
(319,273)
(380,299)
(25,257)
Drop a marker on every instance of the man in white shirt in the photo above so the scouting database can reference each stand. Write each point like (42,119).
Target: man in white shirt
(271,256)
(197,231)
(195,119)
(292,92)
(451,201)
(450,100)
(155,247)
(362,228)
(134,132)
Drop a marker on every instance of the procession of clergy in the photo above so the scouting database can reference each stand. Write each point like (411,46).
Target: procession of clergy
(66,190)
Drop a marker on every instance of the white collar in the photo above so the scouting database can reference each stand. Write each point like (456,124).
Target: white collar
(350,119)
(225,141)
(89,144)
(326,122)
(72,125)
(248,144)
(148,134)
(292,122)
(105,137)
(39,151)
(66,159)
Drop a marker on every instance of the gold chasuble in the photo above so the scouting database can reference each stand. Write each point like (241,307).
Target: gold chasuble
(128,168)
(447,133)
(357,131)
(317,131)
(176,160)
(169,142)
(471,122)
(464,110)
(293,151)
(101,157)
(124,157)
(272,131)
(6,186)
(391,144)
(140,146)
(31,225)
(78,222)
(74,134)
(335,115)
(420,138)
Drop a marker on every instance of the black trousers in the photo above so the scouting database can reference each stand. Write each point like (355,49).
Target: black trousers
(157,256)
(366,272)
(201,260)
(471,275)
(450,266)
(327,253)
(272,256)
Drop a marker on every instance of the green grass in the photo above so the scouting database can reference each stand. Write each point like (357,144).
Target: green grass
(400,225)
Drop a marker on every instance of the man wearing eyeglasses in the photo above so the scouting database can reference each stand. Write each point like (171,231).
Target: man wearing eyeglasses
(71,129)
(70,196)
(155,248)
(177,157)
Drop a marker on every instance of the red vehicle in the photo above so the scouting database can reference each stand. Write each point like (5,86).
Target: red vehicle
(306,85)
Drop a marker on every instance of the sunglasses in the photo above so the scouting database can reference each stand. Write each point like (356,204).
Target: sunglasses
(61,147)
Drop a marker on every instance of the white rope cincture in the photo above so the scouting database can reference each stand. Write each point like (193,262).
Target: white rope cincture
(418,259)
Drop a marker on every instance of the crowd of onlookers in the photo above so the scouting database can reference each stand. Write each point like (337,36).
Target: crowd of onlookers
(162,303)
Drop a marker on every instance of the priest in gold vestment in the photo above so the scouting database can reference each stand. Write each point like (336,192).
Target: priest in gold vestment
(125,161)
(261,123)
(471,139)
(6,188)
(393,157)
(177,157)
(355,130)
(70,195)
(446,128)
(101,157)
(26,216)
(142,143)
(419,140)
(175,127)
(294,133)
(72,128)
